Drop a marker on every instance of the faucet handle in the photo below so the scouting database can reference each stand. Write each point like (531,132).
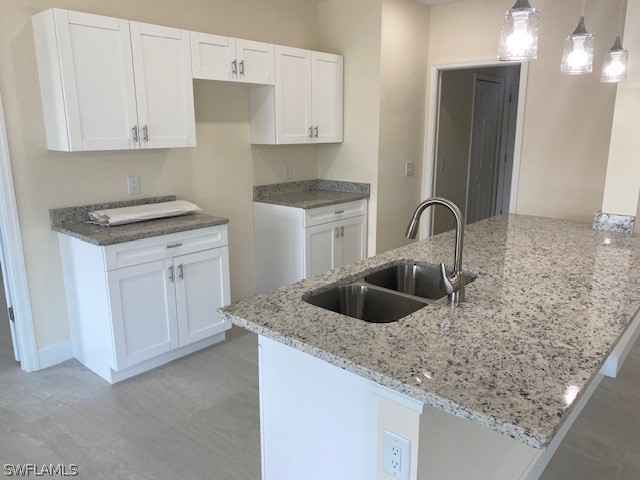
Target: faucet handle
(445,283)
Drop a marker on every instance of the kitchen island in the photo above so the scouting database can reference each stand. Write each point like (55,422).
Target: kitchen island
(483,390)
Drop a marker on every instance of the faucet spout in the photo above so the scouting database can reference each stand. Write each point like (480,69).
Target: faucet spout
(451,284)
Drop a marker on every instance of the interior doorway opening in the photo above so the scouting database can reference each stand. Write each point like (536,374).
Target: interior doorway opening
(475,141)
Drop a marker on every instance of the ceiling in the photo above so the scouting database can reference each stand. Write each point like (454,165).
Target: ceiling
(426,2)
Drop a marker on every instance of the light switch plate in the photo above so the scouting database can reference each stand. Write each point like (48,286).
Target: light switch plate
(409,168)
(396,455)
(133,185)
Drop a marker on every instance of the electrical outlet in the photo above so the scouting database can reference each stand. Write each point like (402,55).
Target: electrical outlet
(396,455)
(409,168)
(133,185)
(287,172)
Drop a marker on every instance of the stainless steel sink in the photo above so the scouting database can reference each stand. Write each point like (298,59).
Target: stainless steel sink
(366,303)
(412,279)
(385,295)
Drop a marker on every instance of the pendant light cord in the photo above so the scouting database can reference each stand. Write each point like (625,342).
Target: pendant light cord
(584,4)
(620,19)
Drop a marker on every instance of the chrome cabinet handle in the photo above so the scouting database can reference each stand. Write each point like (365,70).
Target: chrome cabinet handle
(316,129)
(338,212)
(342,232)
(310,132)
(174,245)
(135,133)
(337,232)
(171,273)
(145,133)
(180,272)
(234,67)
(242,68)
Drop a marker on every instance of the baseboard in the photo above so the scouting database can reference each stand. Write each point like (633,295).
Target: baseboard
(55,354)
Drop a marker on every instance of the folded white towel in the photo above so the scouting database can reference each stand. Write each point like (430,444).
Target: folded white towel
(140,213)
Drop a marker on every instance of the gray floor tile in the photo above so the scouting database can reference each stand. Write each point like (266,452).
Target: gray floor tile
(568,464)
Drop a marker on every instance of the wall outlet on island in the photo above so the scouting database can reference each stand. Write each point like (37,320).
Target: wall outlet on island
(396,455)
(133,184)
(287,172)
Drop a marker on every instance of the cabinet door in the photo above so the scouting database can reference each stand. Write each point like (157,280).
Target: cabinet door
(164,86)
(293,95)
(326,91)
(202,286)
(353,240)
(213,57)
(256,62)
(97,79)
(321,248)
(143,309)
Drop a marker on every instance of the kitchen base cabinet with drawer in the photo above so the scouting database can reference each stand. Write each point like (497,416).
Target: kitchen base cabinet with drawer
(136,305)
(293,243)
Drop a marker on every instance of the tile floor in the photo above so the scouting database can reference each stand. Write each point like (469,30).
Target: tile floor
(197,418)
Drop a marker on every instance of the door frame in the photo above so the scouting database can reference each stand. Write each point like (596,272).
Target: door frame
(501,82)
(15,267)
(428,181)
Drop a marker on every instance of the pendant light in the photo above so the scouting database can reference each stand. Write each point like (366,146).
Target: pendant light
(614,67)
(519,38)
(578,50)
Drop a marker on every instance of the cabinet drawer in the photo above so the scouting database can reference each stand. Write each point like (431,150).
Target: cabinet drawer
(332,213)
(164,246)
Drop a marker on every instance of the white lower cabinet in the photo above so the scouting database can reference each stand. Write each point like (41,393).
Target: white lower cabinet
(136,305)
(292,243)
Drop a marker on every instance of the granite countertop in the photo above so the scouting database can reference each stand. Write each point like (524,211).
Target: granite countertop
(71,221)
(310,193)
(551,300)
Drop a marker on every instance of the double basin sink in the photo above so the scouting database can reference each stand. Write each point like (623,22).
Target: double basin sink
(385,295)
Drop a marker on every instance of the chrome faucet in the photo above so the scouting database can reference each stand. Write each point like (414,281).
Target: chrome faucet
(452,285)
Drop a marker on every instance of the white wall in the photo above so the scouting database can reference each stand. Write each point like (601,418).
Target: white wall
(403,82)
(567,118)
(353,29)
(217,175)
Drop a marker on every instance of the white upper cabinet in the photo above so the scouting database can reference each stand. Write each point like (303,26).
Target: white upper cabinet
(164,86)
(87,65)
(231,59)
(306,104)
(293,95)
(326,88)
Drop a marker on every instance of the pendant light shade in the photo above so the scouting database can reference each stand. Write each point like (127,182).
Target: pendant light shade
(578,51)
(614,68)
(519,38)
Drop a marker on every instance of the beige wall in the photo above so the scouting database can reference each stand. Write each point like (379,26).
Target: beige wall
(623,171)
(217,175)
(567,119)
(353,28)
(403,79)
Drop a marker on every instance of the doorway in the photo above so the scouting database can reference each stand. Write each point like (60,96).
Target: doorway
(475,141)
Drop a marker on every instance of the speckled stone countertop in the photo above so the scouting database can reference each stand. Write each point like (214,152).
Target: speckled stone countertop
(551,300)
(71,221)
(310,193)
